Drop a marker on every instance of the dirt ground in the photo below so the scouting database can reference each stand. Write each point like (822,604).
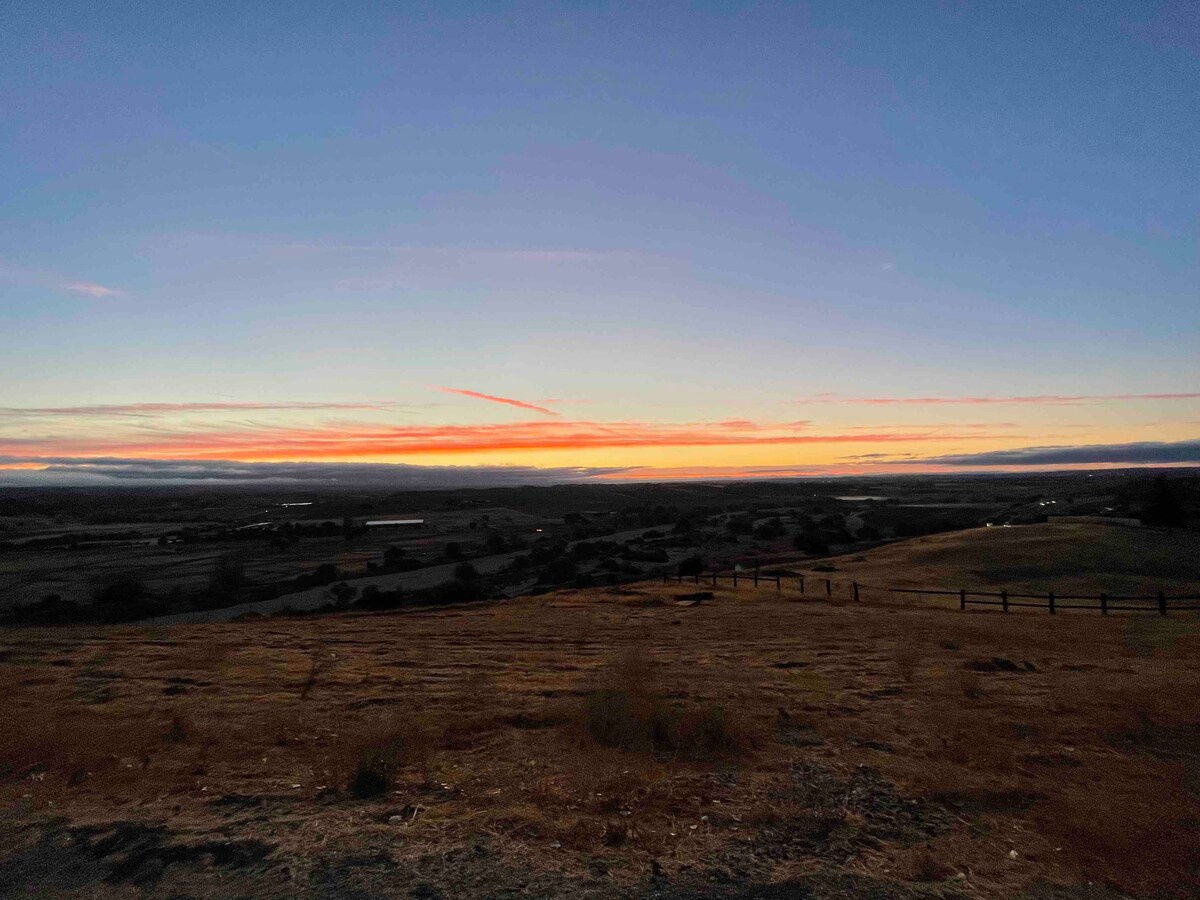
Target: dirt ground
(879,751)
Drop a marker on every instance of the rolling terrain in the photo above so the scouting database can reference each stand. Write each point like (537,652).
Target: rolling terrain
(645,739)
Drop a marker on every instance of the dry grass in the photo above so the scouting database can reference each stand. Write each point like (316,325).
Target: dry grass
(629,711)
(321,662)
(577,757)
(381,750)
(907,658)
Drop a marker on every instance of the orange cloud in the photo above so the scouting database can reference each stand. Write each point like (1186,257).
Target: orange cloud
(362,441)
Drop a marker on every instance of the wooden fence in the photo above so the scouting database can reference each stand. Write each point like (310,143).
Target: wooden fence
(1104,603)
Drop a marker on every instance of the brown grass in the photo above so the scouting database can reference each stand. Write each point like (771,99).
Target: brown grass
(485,725)
(629,712)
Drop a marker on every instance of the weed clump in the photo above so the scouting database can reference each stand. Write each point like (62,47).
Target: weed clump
(320,663)
(629,712)
(382,752)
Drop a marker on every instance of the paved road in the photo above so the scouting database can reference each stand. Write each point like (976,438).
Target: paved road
(417,579)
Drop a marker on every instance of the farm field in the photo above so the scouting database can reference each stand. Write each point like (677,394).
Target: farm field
(797,747)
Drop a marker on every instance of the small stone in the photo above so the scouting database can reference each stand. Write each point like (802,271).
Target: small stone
(1012,854)
(395,820)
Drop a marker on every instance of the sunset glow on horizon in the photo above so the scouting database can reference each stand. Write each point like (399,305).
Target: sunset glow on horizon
(712,241)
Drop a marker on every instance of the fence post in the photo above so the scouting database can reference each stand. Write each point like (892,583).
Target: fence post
(714,579)
(756,576)
(1050,597)
(697,577)
(801,584)
(735,577)
(1162,604)
(962,599)
(679,578)
(856,592)
(828,588)
(1104,604)
(778,585)
(1004,600)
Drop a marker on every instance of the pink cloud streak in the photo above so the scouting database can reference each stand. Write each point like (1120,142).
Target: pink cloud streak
(1045,399)
(491,398)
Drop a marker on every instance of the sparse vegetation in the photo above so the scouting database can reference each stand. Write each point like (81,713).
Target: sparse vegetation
(383,749)
(778,725)
(629,712)
(321,661)
(908,657)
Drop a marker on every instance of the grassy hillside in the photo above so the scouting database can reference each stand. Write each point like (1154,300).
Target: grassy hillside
(605,743)
(1074,558)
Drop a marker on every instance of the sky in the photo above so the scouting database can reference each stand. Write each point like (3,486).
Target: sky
(486,243)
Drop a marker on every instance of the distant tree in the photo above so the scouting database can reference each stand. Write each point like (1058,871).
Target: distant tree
(464,571)
(125,589)
(372,598)
(343,594)
(770,530)
(1165,507)
(560,571)
(810,543)
(453,550)
(325,573)
(456,591)
(693,565)
(229,576)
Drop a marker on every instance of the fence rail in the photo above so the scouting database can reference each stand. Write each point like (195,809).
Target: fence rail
(1104,603)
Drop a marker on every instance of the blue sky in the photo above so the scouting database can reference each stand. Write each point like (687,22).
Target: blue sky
(679,214)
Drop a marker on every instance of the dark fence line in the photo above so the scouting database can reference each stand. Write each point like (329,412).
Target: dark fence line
(1105,603)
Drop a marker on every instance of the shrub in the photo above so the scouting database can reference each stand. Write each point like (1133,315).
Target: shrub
(381,752)
(628,712)
(373,599)
(321,662)
(457,591)
(810,544)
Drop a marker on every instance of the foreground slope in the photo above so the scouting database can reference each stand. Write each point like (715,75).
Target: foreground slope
(872,751)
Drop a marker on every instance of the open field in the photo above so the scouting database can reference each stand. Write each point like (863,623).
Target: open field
(833,750)
(1067,558)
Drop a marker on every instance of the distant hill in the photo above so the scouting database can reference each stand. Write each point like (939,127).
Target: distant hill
(1068,558)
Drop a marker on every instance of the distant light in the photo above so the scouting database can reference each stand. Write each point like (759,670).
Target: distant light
(384,522)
